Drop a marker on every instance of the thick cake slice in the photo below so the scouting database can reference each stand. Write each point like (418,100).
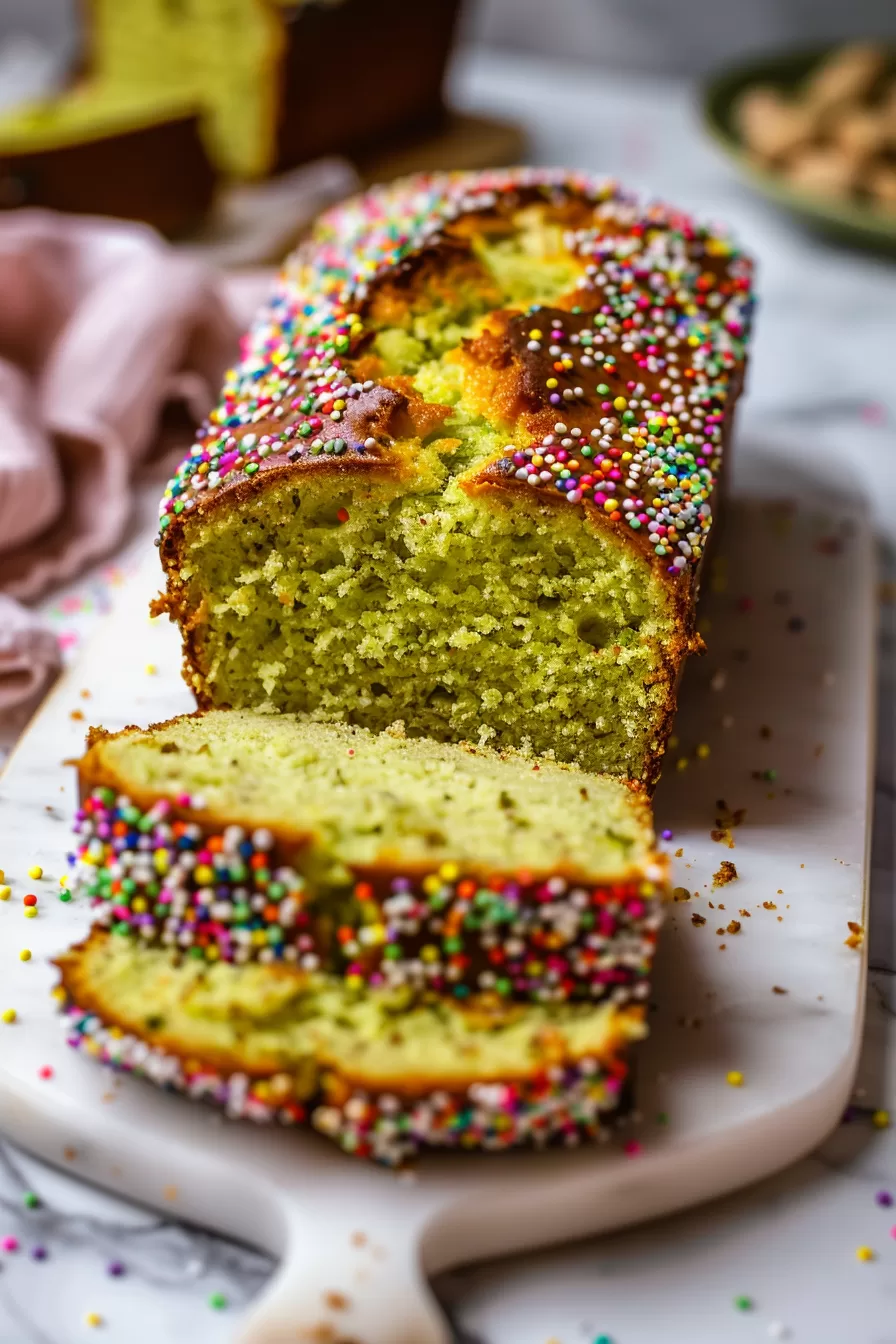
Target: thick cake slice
(466,470)
(403,942)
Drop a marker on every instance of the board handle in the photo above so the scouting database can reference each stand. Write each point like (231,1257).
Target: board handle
(341,1286)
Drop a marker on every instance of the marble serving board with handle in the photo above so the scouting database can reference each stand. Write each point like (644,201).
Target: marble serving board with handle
(756,1005)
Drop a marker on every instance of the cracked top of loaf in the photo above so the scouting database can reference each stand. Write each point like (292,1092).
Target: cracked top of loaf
(609,365)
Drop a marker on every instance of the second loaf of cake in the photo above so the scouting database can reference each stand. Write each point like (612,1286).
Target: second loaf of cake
(403,943)
(465,471)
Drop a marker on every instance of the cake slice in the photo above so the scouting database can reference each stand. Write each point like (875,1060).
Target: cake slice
(402,942)
(466,471)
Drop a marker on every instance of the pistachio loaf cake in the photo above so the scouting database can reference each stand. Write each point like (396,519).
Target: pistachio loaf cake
(403,943)
(465,471)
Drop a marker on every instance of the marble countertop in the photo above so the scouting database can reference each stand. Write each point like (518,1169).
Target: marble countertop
(786,1249)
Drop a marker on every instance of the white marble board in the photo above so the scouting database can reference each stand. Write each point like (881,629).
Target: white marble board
(786,689)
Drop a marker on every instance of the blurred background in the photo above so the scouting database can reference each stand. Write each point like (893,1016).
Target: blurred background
(689,37)
(153,108)
(685,36)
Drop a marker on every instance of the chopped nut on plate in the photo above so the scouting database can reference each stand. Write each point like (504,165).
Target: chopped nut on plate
(862,132)
(848,73)
(881,185)
(772,126)
(827,171)
(833,135)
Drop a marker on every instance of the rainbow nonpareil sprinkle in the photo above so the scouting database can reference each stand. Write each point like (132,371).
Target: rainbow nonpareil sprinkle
(664,300)
(563,1104)
(230,896)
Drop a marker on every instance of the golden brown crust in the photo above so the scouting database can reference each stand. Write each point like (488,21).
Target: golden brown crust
(515,396)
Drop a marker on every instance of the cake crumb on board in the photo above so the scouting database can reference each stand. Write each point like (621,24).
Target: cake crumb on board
(856,935)
(726,873)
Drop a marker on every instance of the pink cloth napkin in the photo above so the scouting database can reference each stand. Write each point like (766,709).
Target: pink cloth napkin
(29,655)
(101,323)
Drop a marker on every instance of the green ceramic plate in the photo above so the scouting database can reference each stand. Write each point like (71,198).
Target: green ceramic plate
(851,221)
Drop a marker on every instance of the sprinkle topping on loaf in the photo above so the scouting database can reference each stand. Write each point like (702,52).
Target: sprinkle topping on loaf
(620,399)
